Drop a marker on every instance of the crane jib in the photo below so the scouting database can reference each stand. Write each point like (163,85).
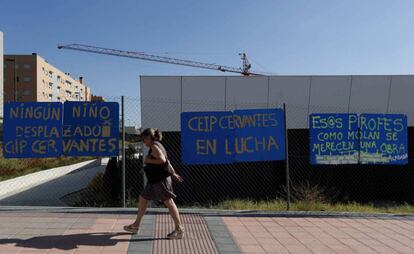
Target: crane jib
(169,60)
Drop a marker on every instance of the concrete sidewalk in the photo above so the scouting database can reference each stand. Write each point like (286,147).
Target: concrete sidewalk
(75,230)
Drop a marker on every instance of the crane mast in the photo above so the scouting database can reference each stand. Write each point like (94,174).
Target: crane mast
(245,70)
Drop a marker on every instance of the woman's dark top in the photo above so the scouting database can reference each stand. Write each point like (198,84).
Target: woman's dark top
(157,172)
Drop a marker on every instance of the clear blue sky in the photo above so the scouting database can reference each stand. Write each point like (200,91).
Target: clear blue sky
(284,37)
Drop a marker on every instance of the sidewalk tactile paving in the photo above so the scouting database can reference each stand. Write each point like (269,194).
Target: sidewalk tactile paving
(197,238)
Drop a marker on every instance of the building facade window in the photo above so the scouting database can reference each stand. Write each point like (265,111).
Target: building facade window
(26,66)
(26,79)
(27,92)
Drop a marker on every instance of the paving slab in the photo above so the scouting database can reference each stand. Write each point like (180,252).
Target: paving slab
(82,230)
(321,235)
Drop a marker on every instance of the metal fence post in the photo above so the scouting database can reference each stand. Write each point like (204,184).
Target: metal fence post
(286,158)
(123,150)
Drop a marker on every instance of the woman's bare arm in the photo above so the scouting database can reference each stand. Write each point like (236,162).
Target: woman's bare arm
(176,177)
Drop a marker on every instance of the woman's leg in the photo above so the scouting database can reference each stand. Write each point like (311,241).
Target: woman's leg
(142,207)
(170,204)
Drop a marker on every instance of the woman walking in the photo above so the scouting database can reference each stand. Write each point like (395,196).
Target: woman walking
(159,187)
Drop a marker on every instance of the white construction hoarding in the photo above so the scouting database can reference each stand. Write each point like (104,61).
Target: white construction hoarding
(163,98)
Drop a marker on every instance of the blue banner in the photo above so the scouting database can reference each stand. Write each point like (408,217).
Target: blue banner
(223,137)
(383,139)
(206,137)
(259,135)
(91,128)
(32,129)
(333,138)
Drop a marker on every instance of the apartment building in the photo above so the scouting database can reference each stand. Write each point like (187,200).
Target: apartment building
(1,75)
(32,78)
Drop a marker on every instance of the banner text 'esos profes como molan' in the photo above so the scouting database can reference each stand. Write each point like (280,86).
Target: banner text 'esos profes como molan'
(367,139)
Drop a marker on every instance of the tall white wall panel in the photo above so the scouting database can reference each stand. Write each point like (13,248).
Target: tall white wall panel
(204,93)
(246,92)
(164,98)
(329,94)
(369,94)
(294,91)
(402,97)
(161,102)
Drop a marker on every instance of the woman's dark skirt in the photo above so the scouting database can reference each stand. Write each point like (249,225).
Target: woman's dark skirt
(159,191)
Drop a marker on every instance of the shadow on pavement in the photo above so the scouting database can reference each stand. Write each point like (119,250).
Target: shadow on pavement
(70,242)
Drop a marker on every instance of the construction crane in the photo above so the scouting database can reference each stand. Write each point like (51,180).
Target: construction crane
(244,70)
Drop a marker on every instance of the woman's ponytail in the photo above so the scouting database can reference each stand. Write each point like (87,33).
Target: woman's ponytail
(157,135)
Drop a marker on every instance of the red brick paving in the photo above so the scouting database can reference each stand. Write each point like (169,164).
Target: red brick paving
(102,233)
(321,235)
(64,233)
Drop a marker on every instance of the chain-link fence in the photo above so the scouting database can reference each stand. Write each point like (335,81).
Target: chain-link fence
(118,181)
(124,179)
(365,183)
(206,184)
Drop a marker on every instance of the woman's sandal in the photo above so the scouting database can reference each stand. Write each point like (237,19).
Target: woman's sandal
(176,234)
(131,229)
